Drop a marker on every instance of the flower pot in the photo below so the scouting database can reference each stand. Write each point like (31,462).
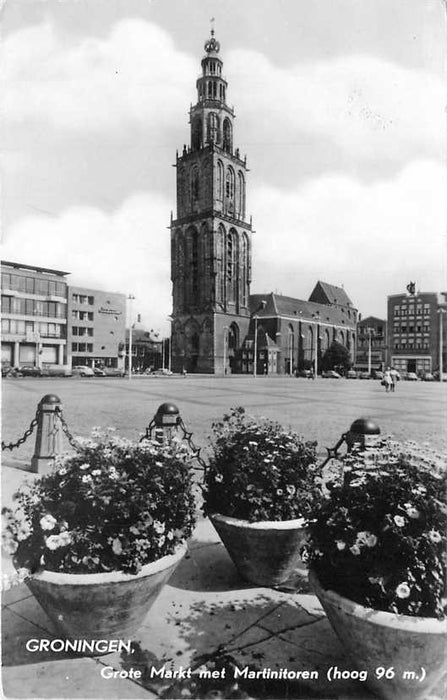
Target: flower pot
(105,606)
(381,640)
(266,553)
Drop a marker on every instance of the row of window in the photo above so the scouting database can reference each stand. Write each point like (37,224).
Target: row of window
(82,299)
(76,330)
(82,315)
(410,310)
(32,285)
(82,347)
(32,307)
(45,330)
(419,328)
(418,345)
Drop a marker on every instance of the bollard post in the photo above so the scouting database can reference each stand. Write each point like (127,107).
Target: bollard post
(166,420)
(49,434)
(363,433)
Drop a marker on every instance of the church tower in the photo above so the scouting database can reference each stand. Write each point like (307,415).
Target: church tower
(210,237)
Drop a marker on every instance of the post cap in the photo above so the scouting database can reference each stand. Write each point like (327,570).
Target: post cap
(50,399)
(364,426)
(167,414)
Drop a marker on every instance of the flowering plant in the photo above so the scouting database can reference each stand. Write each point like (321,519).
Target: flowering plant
(259,471)
(114,505)
(380,537)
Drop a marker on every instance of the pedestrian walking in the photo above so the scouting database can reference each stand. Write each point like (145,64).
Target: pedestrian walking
(387,380)
(394,378)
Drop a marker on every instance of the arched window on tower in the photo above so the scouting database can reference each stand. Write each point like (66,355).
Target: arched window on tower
(244,270)
(195,185)
(194,266)
(241,195)
(196,134)
(227,135)
(229,190)
(231,264)
(219,180)
(213,128)
(220,257)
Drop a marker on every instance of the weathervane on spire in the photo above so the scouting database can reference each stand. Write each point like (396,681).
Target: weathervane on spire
(212,45)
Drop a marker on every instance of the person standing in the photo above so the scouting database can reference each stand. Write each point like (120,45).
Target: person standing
(387,380)
(394,378)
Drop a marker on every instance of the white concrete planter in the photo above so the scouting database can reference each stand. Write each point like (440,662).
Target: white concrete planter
(106,606)
(376,639)
(266,553)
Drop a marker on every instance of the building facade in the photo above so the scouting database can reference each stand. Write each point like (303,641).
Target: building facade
(96,328)
(147,350)
(417,331)
(210,236)
(372,345)
(34,316)
(218,326)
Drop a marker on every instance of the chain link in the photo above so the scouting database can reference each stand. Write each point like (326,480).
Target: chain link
(12,445)
(66,429)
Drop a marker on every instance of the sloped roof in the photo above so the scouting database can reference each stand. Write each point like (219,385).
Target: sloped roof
(279,305)
(333,294)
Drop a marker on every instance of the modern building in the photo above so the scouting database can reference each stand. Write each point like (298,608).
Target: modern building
(417,331)
(34,316)
(371,353)
(96,328)
(216,322)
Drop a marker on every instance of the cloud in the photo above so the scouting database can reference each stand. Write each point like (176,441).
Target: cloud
(372,238)
(134,76)
(126,251)
(368,107)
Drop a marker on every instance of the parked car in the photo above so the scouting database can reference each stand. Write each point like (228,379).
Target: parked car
(351,374)
(56,371)
(411,377)
(30,371)
(162,372)
(428,377)
(114,372)
(99,372)
(330,374)
(364,375)
(306,373)
(82,371)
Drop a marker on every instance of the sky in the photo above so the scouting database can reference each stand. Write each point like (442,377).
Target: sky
(340,109)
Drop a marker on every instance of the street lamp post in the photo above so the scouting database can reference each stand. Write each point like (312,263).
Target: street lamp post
(129,369)
(441,313)
(370,335)
(255,361)
(317,317)
(225,342)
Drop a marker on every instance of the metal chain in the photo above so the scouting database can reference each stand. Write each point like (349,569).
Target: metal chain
(66,429)
(26,434)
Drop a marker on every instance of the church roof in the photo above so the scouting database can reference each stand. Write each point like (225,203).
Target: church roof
(325,293)
(299,309)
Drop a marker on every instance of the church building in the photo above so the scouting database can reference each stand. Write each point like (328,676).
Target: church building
(215,318)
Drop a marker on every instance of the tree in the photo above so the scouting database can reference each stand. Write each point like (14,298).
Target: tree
(336,356)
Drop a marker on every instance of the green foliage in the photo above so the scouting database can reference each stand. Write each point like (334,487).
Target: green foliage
(380,538)
(259,471)
(113,506)
(336,356)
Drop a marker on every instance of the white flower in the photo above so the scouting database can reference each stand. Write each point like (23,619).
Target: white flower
(47,522)
(366,538)
(291,490)
(371,540)
(84,466)
(117,547)
(62,471)
(86,478)
(218,478)
(403,590)
(341,545)
(161,540)
(411,511)
(56,541)
(158,527)
(355,550)
(399,520)
(252,442)
(435,536)
(96,472)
